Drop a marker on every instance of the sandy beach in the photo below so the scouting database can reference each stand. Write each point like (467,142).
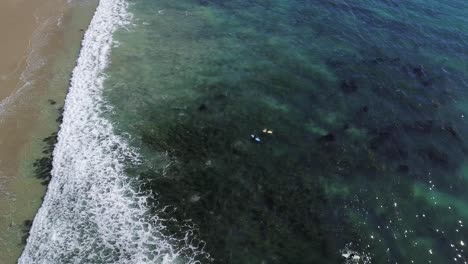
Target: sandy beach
(23,53)
(40,43)
(23,26)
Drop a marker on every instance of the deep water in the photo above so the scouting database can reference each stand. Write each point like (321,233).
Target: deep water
(368,109)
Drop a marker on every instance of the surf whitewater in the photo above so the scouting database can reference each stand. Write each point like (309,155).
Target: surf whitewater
(91,213)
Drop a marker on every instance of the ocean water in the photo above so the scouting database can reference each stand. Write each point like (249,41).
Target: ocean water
(359,109)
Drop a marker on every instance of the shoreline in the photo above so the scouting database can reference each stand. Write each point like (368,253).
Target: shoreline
(24,65)
(89,187)
(30,116)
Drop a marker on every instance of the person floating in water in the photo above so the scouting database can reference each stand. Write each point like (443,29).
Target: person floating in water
(255,138)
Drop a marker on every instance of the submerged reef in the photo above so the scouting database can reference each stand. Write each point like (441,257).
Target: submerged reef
(366,150)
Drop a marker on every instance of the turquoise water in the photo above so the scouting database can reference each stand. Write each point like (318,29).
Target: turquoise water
(367,105)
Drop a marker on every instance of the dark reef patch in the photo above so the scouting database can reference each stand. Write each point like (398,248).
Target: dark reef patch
(43,166)
(27,224)
(349,86)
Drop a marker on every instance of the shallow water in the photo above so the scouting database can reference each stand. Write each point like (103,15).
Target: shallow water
(365,102)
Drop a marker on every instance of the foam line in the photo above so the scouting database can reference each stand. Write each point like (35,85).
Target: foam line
(91,213)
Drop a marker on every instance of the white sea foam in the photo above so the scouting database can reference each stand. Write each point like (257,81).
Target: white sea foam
(91,213)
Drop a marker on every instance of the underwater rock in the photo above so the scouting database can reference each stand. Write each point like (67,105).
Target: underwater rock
(202,107)
(60,117)
(451,131)
(381,60)
(335,63)
(435,104)
(328,142)
(426,83)
(419,71)
(403,168)
(435,155)
(377,60)
(349,86)
(361,115)
(220,96)
(381,138)
(420,126)
(43,166)
(27,224)
(388,142)
(328,139)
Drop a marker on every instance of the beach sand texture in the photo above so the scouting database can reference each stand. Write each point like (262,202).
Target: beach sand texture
(38,45)
(21,23)
(27,28)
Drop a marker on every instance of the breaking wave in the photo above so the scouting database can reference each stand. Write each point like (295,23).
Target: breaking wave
(91,212)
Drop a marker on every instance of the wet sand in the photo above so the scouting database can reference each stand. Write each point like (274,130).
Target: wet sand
(23,22)
(40,43)
(24,40)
